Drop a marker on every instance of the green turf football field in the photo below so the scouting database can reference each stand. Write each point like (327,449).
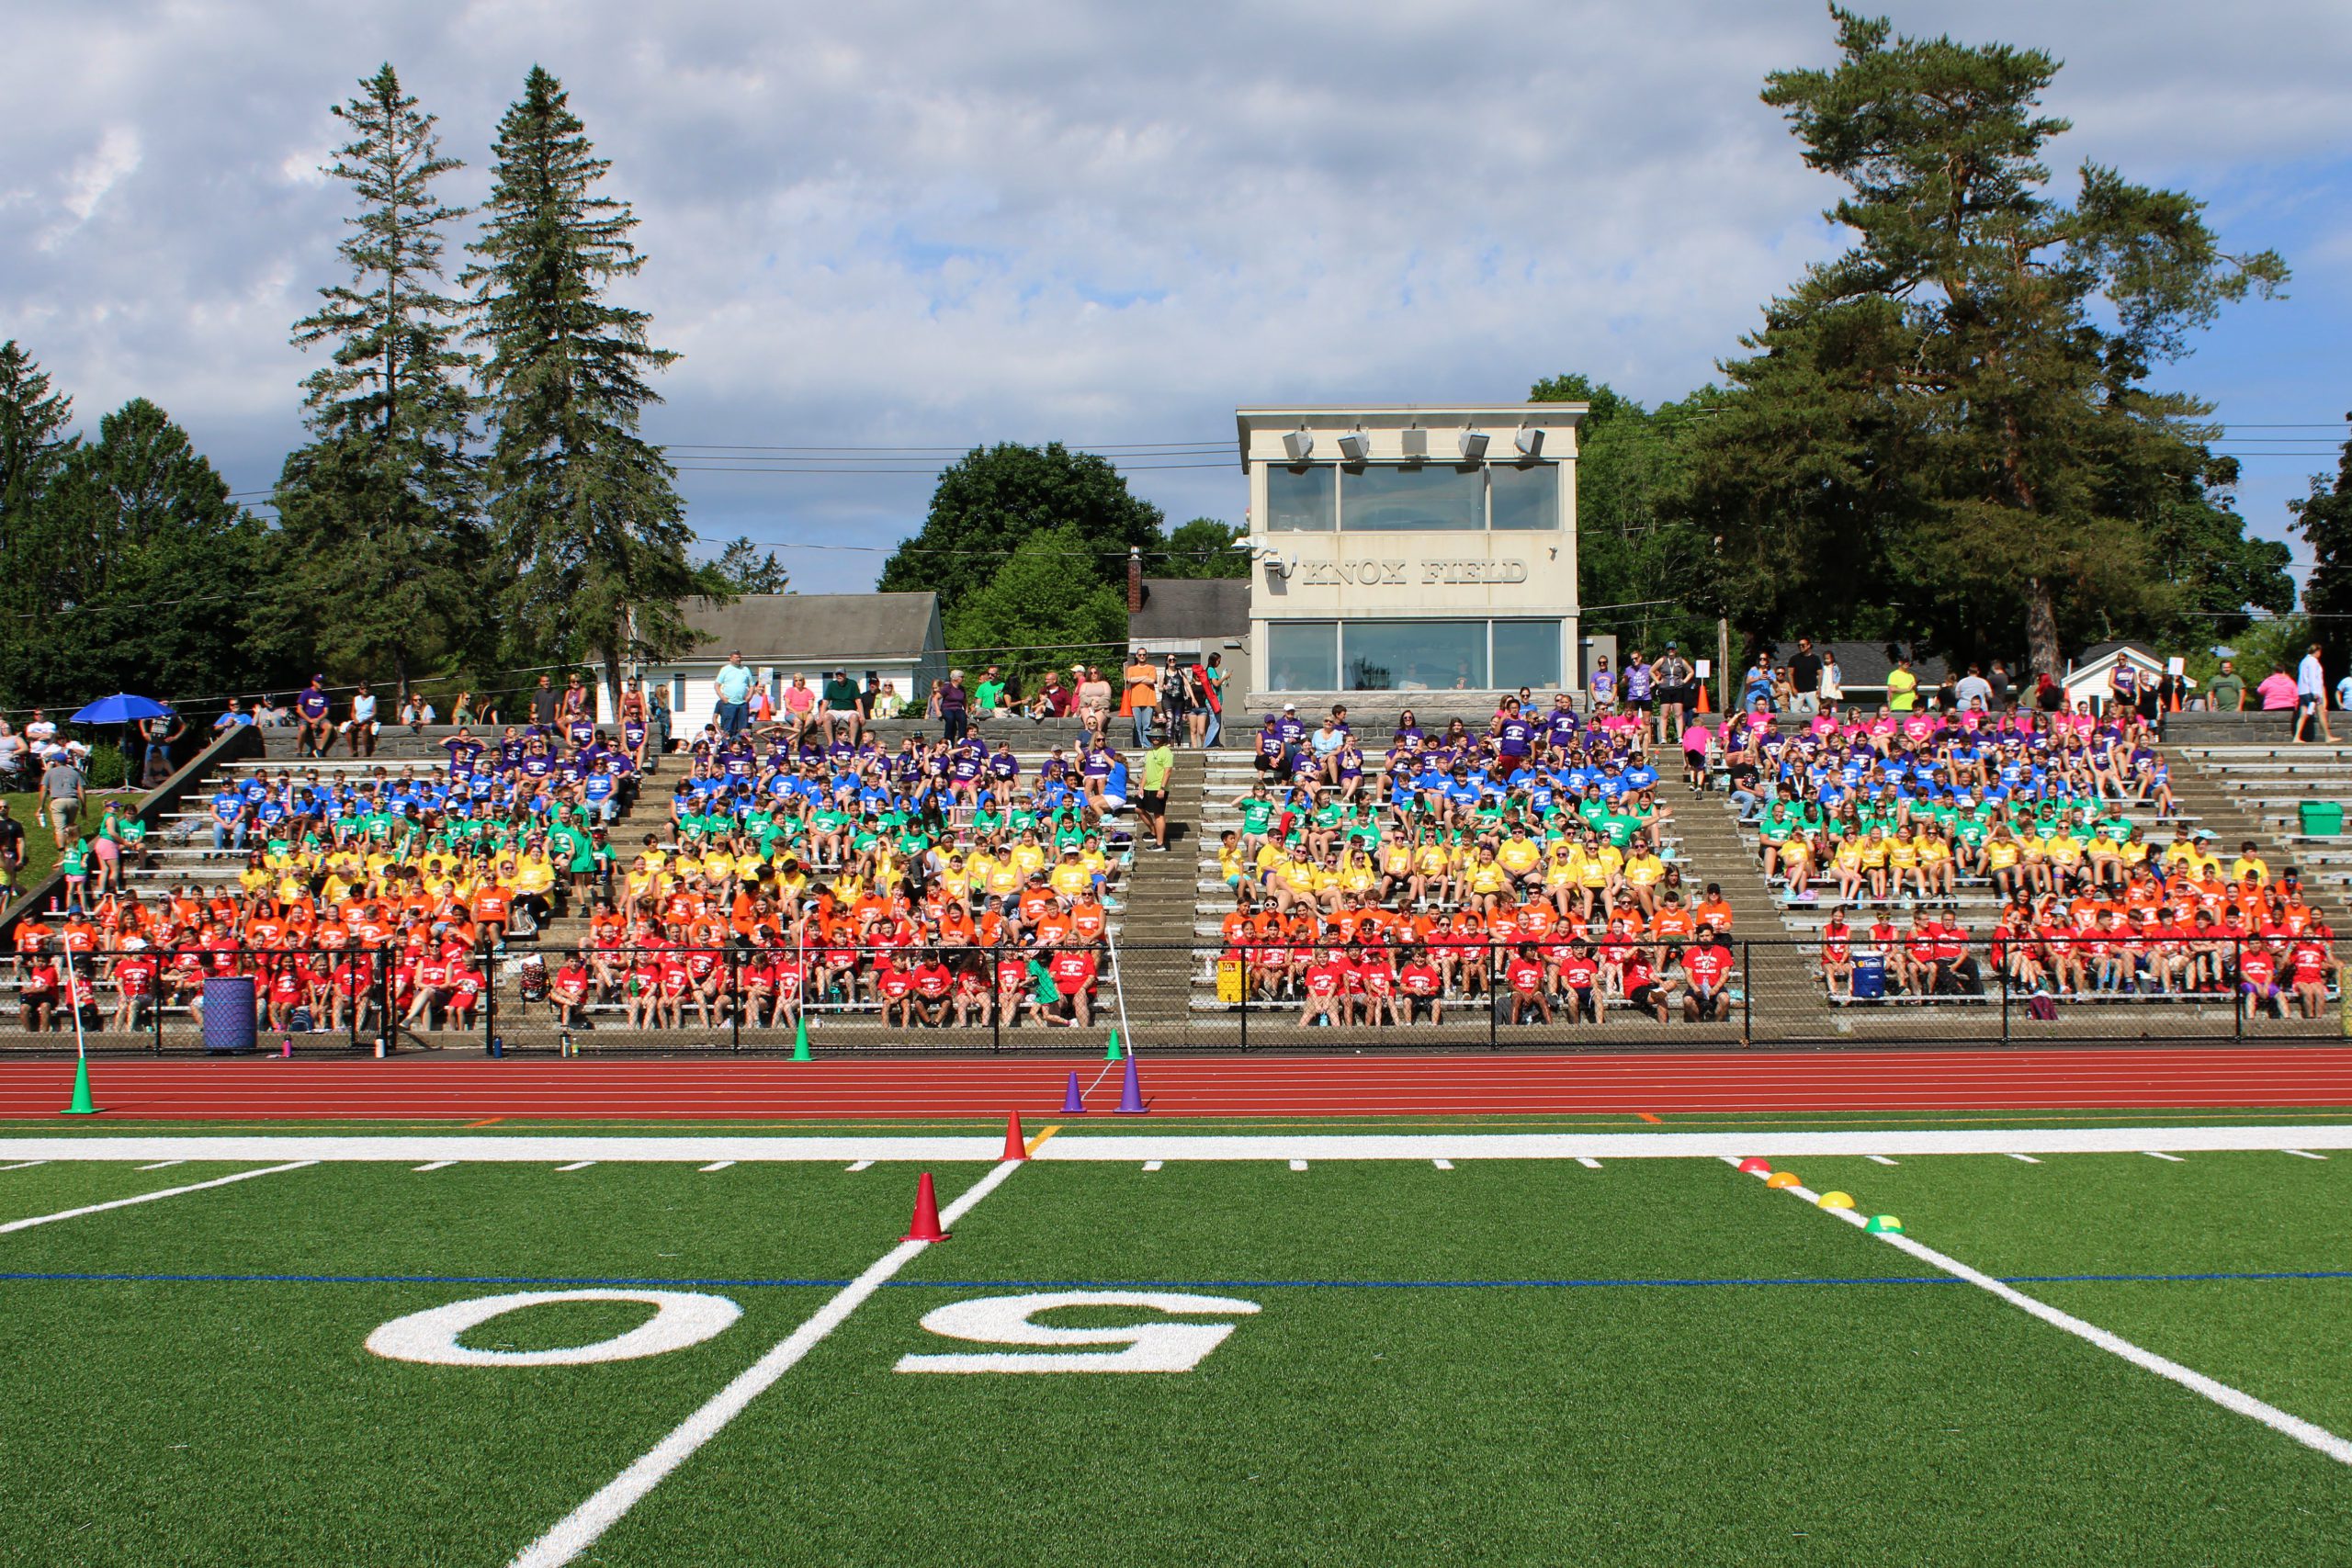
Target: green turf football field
(1508,1362)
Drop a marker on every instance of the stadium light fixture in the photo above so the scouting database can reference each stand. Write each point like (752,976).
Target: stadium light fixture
(1474,445)
(1415,443)
(1355,445)
(1530,442)
(1299,444)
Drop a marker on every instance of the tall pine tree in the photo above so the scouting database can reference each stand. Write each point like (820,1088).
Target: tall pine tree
(589,531)
(1952,418)
(381,511)
(34,449)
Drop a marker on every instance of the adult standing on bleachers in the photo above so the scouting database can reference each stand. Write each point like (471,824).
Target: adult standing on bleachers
(1902,687)
(61,786)
(1142,696)
(2226,692)
(543,704)
(1675,694)
(733,686)
(2310,697)
(954,707)
(162,733)
(1805,679)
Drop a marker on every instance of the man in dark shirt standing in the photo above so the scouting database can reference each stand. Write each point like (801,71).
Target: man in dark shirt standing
(1805,678)
(544,703)
(12,849)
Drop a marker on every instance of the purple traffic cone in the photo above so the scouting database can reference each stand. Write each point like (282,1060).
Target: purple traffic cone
(1131,1092)
(1073,1102)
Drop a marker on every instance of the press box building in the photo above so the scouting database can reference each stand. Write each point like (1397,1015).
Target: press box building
(1411,548)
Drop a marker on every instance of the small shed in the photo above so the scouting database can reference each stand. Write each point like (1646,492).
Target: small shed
(897,637)
(2090,674)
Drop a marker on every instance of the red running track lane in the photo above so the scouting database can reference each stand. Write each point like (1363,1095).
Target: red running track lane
(1267,1086)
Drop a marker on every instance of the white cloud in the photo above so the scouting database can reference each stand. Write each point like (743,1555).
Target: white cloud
(903,224)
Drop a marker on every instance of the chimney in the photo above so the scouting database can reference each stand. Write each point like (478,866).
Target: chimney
(1135,578)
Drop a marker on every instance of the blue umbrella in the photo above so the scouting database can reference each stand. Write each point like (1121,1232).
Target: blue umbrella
(120,709)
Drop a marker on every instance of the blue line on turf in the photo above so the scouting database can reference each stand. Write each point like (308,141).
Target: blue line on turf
(616,1281)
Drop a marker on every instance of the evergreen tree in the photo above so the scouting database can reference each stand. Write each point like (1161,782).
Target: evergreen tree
(2324,520)
(381,510)
(153,580)
(589,532)
(741,569)
(34,449)
(1950,420)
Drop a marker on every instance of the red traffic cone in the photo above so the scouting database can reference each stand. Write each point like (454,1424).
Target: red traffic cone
(926,1223)
(1755,1166)
(1015,1145)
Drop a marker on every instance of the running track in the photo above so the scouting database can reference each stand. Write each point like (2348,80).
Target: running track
(1304,1085)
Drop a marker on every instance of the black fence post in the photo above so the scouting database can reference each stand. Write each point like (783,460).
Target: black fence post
(490,1001)
(1494,1017)
(2237,989)
(1244,1009)
(1746,993)
(2002,981)
(996,1001)
(734,998)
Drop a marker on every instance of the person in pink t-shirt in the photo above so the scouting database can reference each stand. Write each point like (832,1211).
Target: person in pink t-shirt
(2276,690)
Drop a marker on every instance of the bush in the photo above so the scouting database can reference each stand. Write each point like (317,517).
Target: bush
(107,769)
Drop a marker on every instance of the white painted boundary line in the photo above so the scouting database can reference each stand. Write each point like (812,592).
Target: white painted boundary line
(150,1197)
(2221,1394)
(579,1529)
(1129,1147)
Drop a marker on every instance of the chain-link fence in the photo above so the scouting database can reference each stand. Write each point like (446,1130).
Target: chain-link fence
(1914,987)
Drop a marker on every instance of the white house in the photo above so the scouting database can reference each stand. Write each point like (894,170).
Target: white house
(2091,677)
(897,637)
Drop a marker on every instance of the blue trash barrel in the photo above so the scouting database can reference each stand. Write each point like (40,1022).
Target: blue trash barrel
(229,1022)
(1869,978)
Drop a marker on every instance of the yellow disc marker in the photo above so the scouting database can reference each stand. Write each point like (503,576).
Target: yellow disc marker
(1837,1201)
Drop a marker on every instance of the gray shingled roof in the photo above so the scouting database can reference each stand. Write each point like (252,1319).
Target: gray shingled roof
(1868,664)
(1213,609)
(786,628)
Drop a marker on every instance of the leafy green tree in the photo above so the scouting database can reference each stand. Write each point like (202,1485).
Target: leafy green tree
(1639,567)
(994,499)
(1950,420)
(741,569)
(35,445)
(589,535)
(155,581)
(1202,547)
(2324,520)
(1035,602)
(381,510)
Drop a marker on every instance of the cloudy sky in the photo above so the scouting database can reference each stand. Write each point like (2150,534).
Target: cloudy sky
(921,227)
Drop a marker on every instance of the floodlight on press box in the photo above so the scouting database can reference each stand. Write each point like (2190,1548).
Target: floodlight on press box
(1531,442)
(1416,445)
(1474,445)
(1355,445)
(1299,444)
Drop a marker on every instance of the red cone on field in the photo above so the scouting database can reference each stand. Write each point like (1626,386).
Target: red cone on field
(1755,1166)
(1015,1145)
(926,1223)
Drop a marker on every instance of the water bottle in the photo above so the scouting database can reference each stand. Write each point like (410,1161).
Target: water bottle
(498,1045)
(563,1043)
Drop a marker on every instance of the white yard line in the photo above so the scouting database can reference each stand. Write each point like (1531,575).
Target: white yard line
(575,1165)
(1878,1159)
(163,1164)
(28,1163)
(2157,1154)
(1131,1147)
(857,1165)
(1587,1162)
(717,1164)
(1299,1165)
(1443,1164)
(1151,1165)
(579,1529)
(2228,1398)
(150,1197)
(2299,1154)
(436,1165)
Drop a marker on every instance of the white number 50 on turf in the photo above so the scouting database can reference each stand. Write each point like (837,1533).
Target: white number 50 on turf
(1005,1320)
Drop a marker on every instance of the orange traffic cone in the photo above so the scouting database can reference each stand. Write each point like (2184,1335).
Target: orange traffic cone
(926,1221)
(1702,698)
(1015,1145)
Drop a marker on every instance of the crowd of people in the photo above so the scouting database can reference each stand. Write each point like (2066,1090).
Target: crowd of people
(795,865)
(1525,867)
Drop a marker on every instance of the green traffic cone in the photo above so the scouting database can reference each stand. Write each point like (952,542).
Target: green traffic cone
(800,1039)
(83,1105)
(1111,1052)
